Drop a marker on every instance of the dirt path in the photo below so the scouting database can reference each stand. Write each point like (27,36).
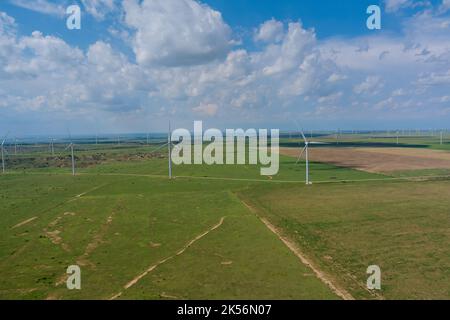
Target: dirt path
(306,261)
(89,191)
(23,222)
(153,267)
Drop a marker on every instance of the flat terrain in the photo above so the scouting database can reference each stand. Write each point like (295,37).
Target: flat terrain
(378,160)
(137,235)
(403,227)
(219,232)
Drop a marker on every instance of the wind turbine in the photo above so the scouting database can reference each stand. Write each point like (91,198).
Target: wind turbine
(3,152)
(72,155)
(70,146)
(52,148)
(305,151)
(15,146)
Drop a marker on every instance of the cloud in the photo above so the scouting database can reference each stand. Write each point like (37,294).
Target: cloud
(334,77)
(396,5)
(185,65)
(55,76)
(7,24)
(371,85)
(41,6)
(435,79)
(297,43)
(208,109)
(176,32)
(444,7)
(100,8)
(270,31)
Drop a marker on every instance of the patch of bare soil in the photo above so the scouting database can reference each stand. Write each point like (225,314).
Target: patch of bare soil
(96,241)
(83,260)
(378,160)
(54,234)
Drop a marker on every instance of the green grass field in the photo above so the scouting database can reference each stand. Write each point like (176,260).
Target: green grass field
(400,226)
(150,219)
(138,235)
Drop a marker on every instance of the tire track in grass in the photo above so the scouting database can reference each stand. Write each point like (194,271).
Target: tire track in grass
(97,240)
(306,261)
(154,266)
(57,205)
(24,222)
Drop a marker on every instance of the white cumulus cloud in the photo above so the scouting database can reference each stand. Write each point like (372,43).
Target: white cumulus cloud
(176,32)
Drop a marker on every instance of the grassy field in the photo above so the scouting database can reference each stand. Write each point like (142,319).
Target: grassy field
(122,225)
(137,235)
(403,227)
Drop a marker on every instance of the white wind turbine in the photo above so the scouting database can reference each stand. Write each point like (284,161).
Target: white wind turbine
(70,146)
(15,146)
(305,151)
(52,146)
(3,152)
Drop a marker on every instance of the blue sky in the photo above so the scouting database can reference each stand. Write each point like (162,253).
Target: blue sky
(250,63)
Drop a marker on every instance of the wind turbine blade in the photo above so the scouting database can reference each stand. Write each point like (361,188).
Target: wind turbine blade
(318,142)
(160,147)
(70,135)
(303,135)
(301,154)
(301,131)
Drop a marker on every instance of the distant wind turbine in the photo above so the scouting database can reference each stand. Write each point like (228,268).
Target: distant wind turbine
(3,152)
(70,146)
(15,146)
(52,147)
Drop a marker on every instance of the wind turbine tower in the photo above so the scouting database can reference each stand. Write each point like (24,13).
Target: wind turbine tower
(3,152)
(170,151)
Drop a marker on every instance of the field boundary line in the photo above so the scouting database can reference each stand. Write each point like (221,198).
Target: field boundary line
(179,252)
(386,178)
(341,292)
